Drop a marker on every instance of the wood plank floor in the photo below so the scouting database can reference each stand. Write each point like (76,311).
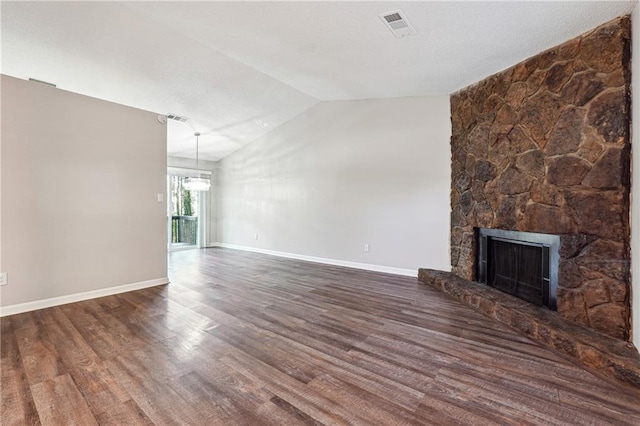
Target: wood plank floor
(246,339)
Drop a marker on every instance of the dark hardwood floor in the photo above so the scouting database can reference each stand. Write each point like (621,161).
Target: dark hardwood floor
(246,339)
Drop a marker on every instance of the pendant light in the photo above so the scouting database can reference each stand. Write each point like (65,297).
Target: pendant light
(197,183)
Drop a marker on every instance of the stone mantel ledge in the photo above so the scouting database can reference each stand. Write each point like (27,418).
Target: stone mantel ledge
(596,351)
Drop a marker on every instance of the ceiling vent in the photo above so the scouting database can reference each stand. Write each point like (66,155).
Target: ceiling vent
(177,118)
(398,24)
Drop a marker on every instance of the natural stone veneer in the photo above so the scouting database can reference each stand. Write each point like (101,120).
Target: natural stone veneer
(544,147)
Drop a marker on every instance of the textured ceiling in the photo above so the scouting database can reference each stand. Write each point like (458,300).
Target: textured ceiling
(240,69)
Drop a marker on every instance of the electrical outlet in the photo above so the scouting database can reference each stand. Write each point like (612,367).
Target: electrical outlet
(160,198)
(366,247)
(255,236)
(4,278)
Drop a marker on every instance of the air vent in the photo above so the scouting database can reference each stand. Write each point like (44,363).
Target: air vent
(46,83)
(177,118)
(398,23)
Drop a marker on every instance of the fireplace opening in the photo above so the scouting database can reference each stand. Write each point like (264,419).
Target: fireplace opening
(523,264)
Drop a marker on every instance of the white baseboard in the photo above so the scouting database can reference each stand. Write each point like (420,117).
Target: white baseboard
(326,261)
(77,297)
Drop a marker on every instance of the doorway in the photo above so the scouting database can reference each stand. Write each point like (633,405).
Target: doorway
(186,210)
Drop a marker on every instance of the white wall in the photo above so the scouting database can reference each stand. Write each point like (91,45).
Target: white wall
(212,194)
(80,177)
(635,176)
(344,174)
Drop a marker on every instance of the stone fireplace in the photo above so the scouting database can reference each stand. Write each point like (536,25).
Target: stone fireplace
(544,147)
(523,264)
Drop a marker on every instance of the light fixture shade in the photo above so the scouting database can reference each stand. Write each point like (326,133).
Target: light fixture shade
(197,184)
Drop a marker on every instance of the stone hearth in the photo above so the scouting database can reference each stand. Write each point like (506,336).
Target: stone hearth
(601,354)
(544,147)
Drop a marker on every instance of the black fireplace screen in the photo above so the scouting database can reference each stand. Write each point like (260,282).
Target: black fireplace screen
(519,263)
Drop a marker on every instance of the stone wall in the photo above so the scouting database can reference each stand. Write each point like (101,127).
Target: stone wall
(544,147)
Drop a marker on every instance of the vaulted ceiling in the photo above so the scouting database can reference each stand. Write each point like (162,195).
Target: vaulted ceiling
(240,69)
